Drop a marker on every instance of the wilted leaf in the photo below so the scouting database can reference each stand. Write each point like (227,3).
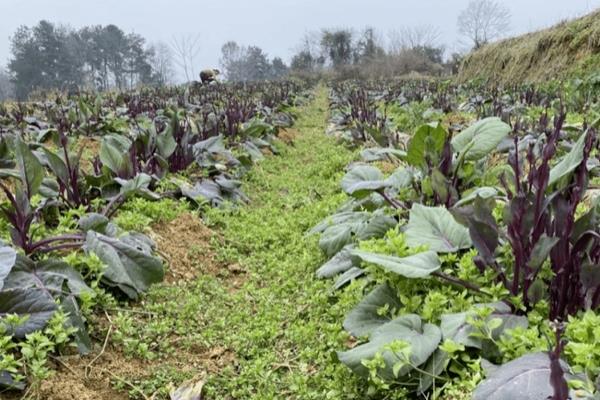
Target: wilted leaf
(190,390)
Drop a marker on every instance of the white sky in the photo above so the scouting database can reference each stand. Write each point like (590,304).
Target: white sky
(274,25)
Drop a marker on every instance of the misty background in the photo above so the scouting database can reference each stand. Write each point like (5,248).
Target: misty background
(271,32)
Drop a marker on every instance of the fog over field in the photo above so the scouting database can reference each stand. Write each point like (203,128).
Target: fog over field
(270,24)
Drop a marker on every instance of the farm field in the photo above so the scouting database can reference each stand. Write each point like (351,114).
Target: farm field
(352,260)
(378,219)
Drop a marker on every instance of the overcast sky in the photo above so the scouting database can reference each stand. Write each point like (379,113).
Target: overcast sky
(274,25)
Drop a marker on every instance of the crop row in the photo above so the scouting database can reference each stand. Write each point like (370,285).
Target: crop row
(68,165)
(473,221)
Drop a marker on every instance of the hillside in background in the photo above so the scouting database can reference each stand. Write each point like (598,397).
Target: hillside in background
(567,49)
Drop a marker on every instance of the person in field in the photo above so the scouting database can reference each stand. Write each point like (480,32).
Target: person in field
(209,75)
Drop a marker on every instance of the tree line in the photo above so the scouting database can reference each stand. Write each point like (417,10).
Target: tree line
(50,56)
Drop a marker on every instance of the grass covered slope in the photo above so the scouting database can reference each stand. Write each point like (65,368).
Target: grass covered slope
(270,332)
(569,48)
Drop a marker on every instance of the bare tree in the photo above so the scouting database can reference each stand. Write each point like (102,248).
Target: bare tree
(186,49)
(483,21)
(422,36)
(162,63)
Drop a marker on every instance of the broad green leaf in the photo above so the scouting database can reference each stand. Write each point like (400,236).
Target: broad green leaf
(112,157)
(485,192)
(340,263)
(335,238)
(137,186)
(526,378)
(419,265)
(84,343)
(569,162)
(376,226)
(30,169)
(8,256)
(422,338)
(456,327)
(36,305)
(366,316)
(381,153)
(166,144)
(354,218)
(97,223)
(435,366)
(204,190)
(131,267)
(347,277)
(51,275)
(481,138)
(427,141)
(401,178)
(436,228)
(57,165)
(363,179)
(256,128)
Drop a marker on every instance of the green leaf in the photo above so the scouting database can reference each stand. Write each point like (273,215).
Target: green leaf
(113,158)
(340,263)
(541,250)
(30,169)
(419,265)
(137,186)
(481,138)
(84,343)
(569,163)
(423,340)
(376,226)
(57,165)
(335,238)
(347,277)
(8,256)
(526,378)
(436,364)
(50,275)
(381,153)
(456,328)
(352,218)
(131,267)
(485,192)
(34,304)
(436,228)
(362,180)
(166,144)
(428,141)
(401,178)
(365,317)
